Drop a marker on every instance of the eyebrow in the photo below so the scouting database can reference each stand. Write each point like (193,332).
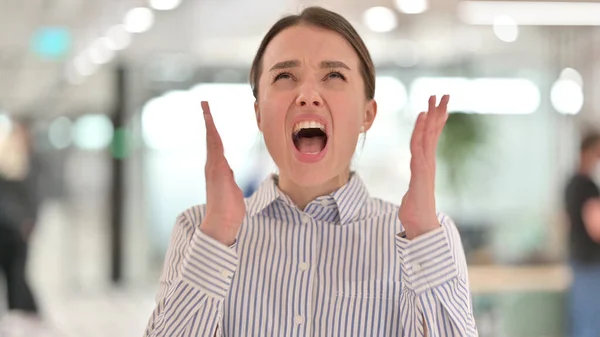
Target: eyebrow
(296,63)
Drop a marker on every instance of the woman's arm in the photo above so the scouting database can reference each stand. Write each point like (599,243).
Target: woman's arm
(436,299)
(195,280)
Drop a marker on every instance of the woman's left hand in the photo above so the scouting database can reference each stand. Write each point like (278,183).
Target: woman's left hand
(417,212)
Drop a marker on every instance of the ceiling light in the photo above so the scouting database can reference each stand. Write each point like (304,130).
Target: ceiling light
(573,75)
(380,19)
(506,28)
(139,20)
(117,38)
(83,65)
(164,5)
(93,132)
(99,53)
(566,97)
(530,13)
(412,6)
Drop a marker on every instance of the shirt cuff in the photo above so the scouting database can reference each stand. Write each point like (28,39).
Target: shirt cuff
(209,265)
(427,261)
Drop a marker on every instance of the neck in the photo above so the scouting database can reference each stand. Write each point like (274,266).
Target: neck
(303,195)
(585,170)
(586,164)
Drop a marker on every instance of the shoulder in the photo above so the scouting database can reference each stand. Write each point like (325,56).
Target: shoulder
(581,185)
(579,180)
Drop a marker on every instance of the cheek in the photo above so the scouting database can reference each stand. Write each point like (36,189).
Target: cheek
(347,117)
(273,105)
(269,124)
(272,119)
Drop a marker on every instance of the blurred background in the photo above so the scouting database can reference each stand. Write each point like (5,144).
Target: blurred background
(109,93)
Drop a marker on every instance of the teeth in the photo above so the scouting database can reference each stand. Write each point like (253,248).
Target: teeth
(309,125)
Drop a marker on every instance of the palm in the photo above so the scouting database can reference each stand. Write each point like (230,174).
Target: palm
(224,199)
(418,210)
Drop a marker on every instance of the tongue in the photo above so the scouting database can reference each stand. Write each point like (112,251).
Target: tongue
(310,145)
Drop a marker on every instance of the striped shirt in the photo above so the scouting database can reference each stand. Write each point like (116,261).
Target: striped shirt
(338,268)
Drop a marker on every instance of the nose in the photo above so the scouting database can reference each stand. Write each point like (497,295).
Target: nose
(309,97)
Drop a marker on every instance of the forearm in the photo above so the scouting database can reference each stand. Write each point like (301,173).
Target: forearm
(192,305)
(436,297)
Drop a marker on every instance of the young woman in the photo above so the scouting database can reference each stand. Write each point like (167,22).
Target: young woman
(310,253)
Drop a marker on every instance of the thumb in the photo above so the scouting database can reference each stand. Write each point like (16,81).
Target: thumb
(214,145)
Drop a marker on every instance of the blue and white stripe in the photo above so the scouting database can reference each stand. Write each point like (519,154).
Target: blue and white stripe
(339,268)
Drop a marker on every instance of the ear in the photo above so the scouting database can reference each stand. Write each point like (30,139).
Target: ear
(370,114)
(257,114)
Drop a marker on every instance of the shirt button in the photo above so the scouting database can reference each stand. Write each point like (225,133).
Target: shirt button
(225,274)
(417,267)
(299,319)
(305,219)
(303,266)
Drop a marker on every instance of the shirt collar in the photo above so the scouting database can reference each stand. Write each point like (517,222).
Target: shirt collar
(342,206)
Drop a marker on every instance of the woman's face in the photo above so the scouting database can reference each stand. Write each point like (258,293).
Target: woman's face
(311,104)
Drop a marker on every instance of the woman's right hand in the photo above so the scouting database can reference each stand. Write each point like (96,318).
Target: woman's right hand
(225,207)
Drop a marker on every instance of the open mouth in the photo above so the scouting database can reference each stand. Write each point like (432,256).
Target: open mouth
(309,137)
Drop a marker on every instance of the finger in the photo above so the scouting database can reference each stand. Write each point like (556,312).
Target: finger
(214,145)
(441,113)
(431,115)
(442,119)
(430,128)
(444,102)
(439,118)
(432,101)
(432,140)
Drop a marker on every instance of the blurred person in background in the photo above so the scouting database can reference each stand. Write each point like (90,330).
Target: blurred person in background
(582,199)
(19,203)
(310,253)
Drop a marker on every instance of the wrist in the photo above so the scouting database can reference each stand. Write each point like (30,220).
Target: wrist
(219,233)
(413,232)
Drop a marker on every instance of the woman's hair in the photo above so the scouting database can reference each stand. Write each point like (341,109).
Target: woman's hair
(321,18)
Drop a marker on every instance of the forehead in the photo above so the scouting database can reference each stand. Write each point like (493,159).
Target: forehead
(309,44)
